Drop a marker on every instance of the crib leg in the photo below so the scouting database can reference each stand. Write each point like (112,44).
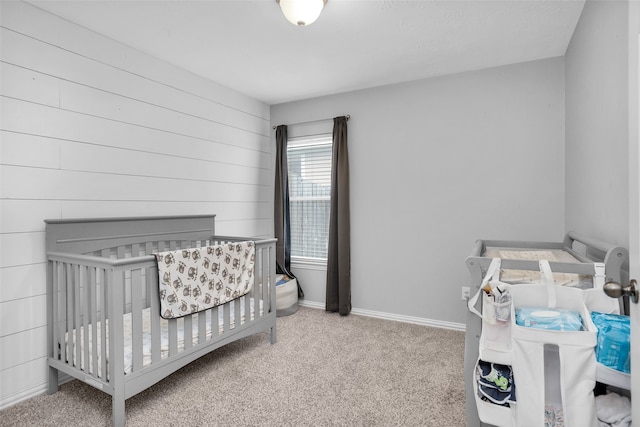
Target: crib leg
(273,337)
(118,410)
(53,380)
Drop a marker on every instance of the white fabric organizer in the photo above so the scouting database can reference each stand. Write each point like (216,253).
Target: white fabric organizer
(553,371)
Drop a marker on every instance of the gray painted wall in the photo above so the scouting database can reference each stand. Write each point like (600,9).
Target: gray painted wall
(597,88)
(437,164)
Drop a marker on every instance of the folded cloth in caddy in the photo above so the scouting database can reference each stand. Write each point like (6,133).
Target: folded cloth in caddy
(146,336)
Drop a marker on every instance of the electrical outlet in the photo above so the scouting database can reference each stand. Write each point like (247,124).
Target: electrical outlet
(466,293)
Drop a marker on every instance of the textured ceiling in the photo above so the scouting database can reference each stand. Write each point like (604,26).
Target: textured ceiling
(355,44)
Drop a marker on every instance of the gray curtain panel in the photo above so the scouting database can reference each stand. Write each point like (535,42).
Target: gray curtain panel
(281,218)
(339,257)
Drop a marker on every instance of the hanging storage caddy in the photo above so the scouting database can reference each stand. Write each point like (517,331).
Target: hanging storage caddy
(553,371)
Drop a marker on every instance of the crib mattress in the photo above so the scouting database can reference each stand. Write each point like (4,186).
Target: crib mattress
(146,336)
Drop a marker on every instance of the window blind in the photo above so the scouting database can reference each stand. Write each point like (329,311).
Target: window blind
(309,164)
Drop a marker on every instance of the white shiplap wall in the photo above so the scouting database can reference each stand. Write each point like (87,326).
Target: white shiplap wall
(92,128)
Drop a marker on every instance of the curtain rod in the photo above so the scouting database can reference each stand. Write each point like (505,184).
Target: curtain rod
(310,121)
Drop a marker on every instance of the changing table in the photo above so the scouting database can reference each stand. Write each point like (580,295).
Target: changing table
(575,262)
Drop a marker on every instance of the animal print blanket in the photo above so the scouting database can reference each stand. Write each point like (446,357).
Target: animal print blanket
(196,279)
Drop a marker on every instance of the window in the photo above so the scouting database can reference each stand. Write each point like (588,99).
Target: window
(309,164)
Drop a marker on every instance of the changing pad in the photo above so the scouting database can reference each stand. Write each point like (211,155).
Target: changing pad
(533,276)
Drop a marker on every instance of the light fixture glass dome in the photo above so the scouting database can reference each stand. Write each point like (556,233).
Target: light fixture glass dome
(301,12)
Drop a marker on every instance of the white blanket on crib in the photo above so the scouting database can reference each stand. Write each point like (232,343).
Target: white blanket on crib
(196,279)
(146,336)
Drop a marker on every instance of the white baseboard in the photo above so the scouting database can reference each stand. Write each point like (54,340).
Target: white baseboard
(390,316)
(32,392)
(23,395)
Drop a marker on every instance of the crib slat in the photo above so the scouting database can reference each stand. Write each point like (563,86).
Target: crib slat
(62,321)
(62,313)
(76,317)
(247,308)
(236,312)
(94,320)
(85,318)
(69,312)
(84,308)
(202,327)
(173,337)
(226,315)
(115,312)
(104,306)
(215,322)
(152,276)
(136,318)
(188,332)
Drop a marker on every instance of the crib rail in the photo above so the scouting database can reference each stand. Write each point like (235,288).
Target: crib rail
(106,301)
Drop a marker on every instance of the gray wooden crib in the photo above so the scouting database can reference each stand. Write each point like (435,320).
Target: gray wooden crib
(103,303)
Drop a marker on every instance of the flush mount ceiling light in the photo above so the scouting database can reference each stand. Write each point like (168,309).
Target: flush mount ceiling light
(301,12)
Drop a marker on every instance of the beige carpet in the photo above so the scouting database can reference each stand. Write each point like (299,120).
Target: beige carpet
(325,370)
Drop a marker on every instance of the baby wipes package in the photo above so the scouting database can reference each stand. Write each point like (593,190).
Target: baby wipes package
(553,319)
